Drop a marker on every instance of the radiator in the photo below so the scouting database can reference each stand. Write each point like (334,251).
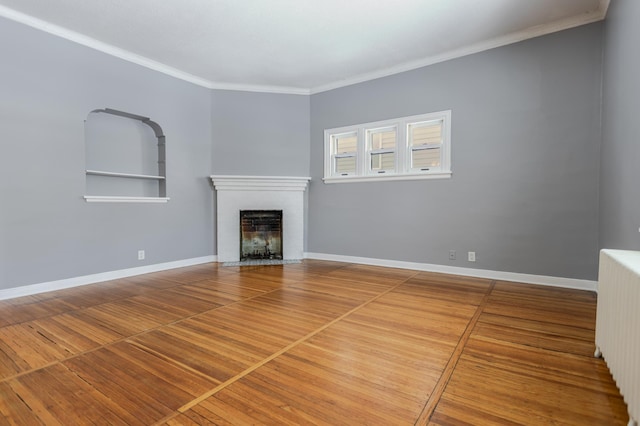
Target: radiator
(618,323)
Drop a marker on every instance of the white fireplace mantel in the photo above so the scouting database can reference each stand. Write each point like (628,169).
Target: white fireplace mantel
(259,183)
(235,193)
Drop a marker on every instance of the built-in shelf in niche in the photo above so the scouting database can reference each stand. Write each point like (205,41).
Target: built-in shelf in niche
(124,175)
(125,158)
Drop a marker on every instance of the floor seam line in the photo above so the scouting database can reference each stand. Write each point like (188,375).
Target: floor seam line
(282,351)
(438,390)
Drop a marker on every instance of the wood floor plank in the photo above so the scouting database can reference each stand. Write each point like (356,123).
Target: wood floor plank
(57,396)
(558,337)
(259,406)
(85,322)
(391,387)
(274,276)
(416,321)
(528,361)
(526,399)
(461,414)
(247,282)
(539,303)
(453,288)
(189,419)
(378,346)
(372,274)
(237,290)
(310,302)
(552,366)
(116,317)
(143,385)
(28,348)
(13,410)
(310,343)
(10,362)
(29,308)
(356,290)
(182,301)
(212,357)
(203,290)
(322,402)
(186,384)
(225,327)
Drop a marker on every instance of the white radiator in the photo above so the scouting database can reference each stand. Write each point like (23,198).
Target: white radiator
(618,323)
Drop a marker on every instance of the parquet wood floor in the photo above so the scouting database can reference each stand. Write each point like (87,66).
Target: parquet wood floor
(313,343)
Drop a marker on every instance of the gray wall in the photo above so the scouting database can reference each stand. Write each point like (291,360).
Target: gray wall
(260,134)
(48,86)
(525,146)
(620,158)
(526,142)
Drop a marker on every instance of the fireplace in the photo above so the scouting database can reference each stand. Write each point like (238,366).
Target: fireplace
(260,234)
(266,193)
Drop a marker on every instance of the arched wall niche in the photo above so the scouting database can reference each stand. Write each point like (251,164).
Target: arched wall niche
(125,158)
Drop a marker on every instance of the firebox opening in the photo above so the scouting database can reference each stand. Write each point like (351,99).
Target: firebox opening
(260,234)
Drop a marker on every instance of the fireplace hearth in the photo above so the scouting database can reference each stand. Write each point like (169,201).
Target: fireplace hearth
(260,234)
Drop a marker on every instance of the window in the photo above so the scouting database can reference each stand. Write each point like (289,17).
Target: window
(344,154)
(381,150)
(425,145)
(415,147)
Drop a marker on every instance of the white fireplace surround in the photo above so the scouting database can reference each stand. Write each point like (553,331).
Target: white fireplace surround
(235,193)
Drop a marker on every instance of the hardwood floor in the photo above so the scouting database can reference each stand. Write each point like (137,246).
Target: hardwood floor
(311,343)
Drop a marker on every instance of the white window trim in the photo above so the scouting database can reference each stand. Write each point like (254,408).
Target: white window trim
(403,169)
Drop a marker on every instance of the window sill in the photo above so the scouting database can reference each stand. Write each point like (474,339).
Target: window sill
(116,199)
(389,177)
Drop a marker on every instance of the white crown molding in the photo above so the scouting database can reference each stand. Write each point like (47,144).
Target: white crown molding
(469,272)
(100,46)
(32,289)
(117,52)
(282,90)
(603,8)
(259,183)
(596,15)
(564,24)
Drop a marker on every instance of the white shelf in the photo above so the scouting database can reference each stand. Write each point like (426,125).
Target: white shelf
(123,175)
(118,199)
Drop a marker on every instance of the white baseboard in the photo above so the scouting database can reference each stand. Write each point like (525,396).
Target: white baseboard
(573,283)
(32,289)
(469,272)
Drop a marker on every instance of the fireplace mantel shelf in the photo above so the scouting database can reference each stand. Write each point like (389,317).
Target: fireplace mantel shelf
(259,183)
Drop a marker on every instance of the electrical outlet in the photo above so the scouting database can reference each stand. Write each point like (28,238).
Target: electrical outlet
(472,256)
(140,254)
(452,255)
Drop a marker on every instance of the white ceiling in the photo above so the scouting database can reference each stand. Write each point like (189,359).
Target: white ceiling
(297,46)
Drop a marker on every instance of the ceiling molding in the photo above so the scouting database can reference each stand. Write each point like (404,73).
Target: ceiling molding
(541,30)
(603,7)
(100,46)
(117,52)
(283,90)
(595,16)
